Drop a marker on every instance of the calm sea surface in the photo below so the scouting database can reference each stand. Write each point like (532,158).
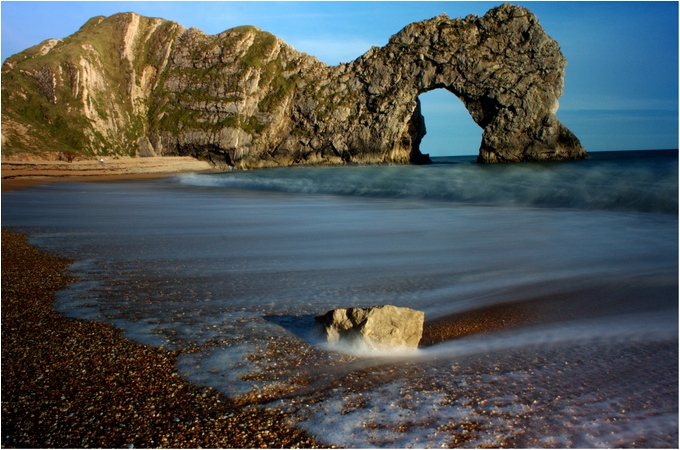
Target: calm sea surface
(231,268)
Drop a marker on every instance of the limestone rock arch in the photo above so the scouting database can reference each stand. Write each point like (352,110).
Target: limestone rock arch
(507,71)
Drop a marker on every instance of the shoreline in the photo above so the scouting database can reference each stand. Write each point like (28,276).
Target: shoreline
(74,383)
(71,383)
(64,413)
(21,174)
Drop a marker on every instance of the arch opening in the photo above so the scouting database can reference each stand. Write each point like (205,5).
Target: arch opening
(451,131)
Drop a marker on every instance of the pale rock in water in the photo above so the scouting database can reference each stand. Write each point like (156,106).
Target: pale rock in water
(133,85)
(381,328)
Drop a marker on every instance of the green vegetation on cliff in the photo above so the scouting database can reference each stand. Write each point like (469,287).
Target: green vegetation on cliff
(72,94)
(130,85)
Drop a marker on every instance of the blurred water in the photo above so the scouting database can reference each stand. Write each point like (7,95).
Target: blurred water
(242,261)
(620,181)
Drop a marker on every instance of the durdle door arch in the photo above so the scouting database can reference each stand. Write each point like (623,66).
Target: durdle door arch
(505,69)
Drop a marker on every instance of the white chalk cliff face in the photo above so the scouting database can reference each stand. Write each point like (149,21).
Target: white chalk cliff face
(243,98)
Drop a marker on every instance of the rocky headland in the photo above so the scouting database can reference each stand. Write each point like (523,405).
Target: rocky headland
(129,85)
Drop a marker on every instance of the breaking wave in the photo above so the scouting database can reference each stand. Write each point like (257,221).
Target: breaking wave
(645,181)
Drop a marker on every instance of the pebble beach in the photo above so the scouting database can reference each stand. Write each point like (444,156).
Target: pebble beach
(183,352)
(74,384)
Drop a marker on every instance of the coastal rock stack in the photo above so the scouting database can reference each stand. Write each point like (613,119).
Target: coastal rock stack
(131,85)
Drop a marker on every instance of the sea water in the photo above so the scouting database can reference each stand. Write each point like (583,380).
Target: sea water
(231,268)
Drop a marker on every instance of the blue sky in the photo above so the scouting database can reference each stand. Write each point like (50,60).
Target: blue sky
(621,85)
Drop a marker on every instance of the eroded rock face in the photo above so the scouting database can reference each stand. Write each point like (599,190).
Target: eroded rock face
(245,99)
(384,327)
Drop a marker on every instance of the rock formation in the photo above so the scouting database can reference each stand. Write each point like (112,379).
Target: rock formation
(243,98)
(384,327)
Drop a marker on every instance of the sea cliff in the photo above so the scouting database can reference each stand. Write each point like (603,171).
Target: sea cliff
(138,86)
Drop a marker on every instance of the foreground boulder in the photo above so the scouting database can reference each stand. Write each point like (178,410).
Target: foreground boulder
(133,85)
(384,327)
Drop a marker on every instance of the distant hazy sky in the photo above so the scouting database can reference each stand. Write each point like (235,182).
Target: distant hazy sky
(621,85)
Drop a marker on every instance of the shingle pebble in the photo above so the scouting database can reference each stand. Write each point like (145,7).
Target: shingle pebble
(72,383)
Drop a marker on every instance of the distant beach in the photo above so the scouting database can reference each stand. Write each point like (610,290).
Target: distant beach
(19,173)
